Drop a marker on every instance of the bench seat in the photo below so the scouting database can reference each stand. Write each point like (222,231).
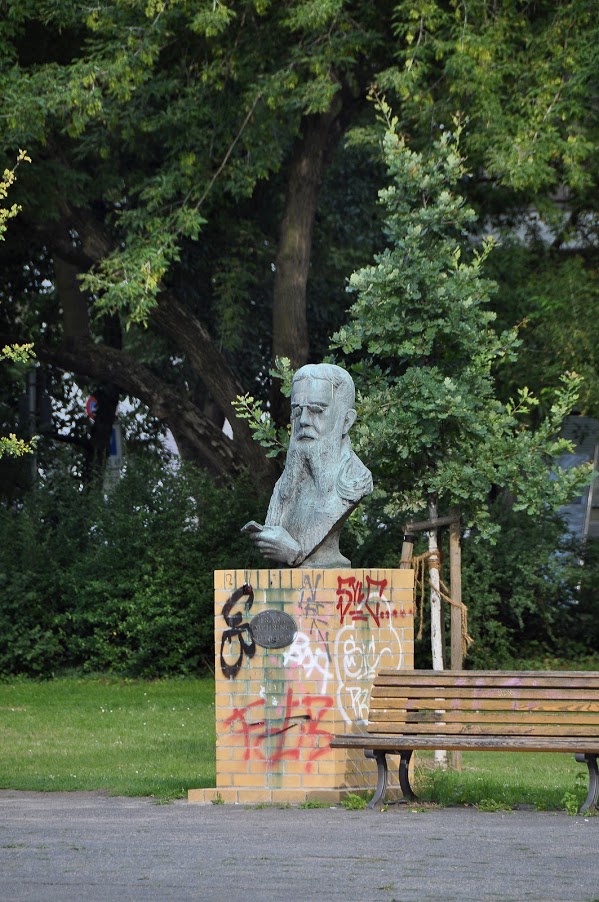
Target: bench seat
(501,711)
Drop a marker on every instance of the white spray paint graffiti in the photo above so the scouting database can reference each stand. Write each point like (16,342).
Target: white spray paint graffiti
(312,660)
(357,660)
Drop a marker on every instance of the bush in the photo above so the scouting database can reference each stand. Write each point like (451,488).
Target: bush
(530,597)
(523,594)
(122,582)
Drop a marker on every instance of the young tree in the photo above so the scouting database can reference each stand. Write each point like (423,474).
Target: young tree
(423,351)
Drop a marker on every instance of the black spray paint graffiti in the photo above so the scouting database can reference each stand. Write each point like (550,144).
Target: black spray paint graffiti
(237,630)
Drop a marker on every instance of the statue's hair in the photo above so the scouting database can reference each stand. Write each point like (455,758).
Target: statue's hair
(338,377)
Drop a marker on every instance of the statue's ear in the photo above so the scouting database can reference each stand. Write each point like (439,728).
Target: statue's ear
(350,419)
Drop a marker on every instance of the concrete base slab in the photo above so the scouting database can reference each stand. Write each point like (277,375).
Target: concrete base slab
(241,796)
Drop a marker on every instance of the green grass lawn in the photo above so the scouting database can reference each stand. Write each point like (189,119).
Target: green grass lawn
(128,737)
(156,738)
(505,779)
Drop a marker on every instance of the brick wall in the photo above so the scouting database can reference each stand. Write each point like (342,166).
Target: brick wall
(277,708)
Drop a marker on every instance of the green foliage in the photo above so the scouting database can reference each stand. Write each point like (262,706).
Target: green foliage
(492,805)
(163,115)
(121,583)
(10,444)
(8,178)
(499,781)
(523,73)
(423,353)
(570,803)
(354,802)
(553,289)
(264,429)
(531,597)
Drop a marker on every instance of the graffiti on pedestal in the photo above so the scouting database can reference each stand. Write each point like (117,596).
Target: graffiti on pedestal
(312,610)
(359,656)
(237,631)
(291,730)
(310,648)
(269,629)
(354,604)
(314,661)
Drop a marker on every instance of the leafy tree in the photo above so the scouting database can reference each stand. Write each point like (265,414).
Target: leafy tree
(424,353)
(153,123)
(180,148)
(523,76)
(555,294)
(523,79)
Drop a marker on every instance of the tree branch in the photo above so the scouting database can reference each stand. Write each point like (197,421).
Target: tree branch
(197,437)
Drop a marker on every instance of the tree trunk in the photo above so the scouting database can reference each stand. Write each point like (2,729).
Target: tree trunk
(221,383)
(197,437)
(74,303)
(436,611)
(75,326)
(313,150)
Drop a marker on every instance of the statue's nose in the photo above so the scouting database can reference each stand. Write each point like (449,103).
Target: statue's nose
(305,419)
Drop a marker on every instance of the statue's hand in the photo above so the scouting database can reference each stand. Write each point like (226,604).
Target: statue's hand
(276,544)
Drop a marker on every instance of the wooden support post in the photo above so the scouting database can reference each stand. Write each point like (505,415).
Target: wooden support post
(407,551)
(455,575)
(433,523)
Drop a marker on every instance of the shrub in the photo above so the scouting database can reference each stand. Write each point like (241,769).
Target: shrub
(122,582)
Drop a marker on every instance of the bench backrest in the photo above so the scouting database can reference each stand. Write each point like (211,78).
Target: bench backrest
(478,703)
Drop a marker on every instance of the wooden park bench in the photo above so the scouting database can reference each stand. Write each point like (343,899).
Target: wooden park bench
(491,711)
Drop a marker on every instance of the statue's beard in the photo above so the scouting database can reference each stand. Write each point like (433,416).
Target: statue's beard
(314,462)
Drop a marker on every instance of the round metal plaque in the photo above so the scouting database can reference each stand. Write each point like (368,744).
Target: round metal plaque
(273,629)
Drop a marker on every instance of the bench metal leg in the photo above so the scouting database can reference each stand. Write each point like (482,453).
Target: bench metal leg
(383,774)
(593,796)
(404,776)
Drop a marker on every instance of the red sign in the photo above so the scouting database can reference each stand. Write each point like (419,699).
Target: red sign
(91,407)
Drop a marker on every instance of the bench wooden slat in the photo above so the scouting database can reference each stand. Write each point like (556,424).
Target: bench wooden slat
(557,675)
(584,744)
(472,678)
(492,704)
(483,729)
(481,693)
(500,718)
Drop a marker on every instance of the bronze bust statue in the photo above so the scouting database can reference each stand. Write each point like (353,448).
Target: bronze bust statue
(323,480)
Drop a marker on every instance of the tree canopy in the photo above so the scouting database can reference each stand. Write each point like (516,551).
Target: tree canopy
(424,350)
(203,184)
(204,176)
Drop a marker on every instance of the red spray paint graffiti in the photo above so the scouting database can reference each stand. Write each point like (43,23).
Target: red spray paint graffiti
(353,603)
(297,725)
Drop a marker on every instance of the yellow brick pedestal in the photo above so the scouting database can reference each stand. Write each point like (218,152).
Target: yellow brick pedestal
(278,708)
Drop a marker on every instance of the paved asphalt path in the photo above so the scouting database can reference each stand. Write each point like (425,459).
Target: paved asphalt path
(88,847)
